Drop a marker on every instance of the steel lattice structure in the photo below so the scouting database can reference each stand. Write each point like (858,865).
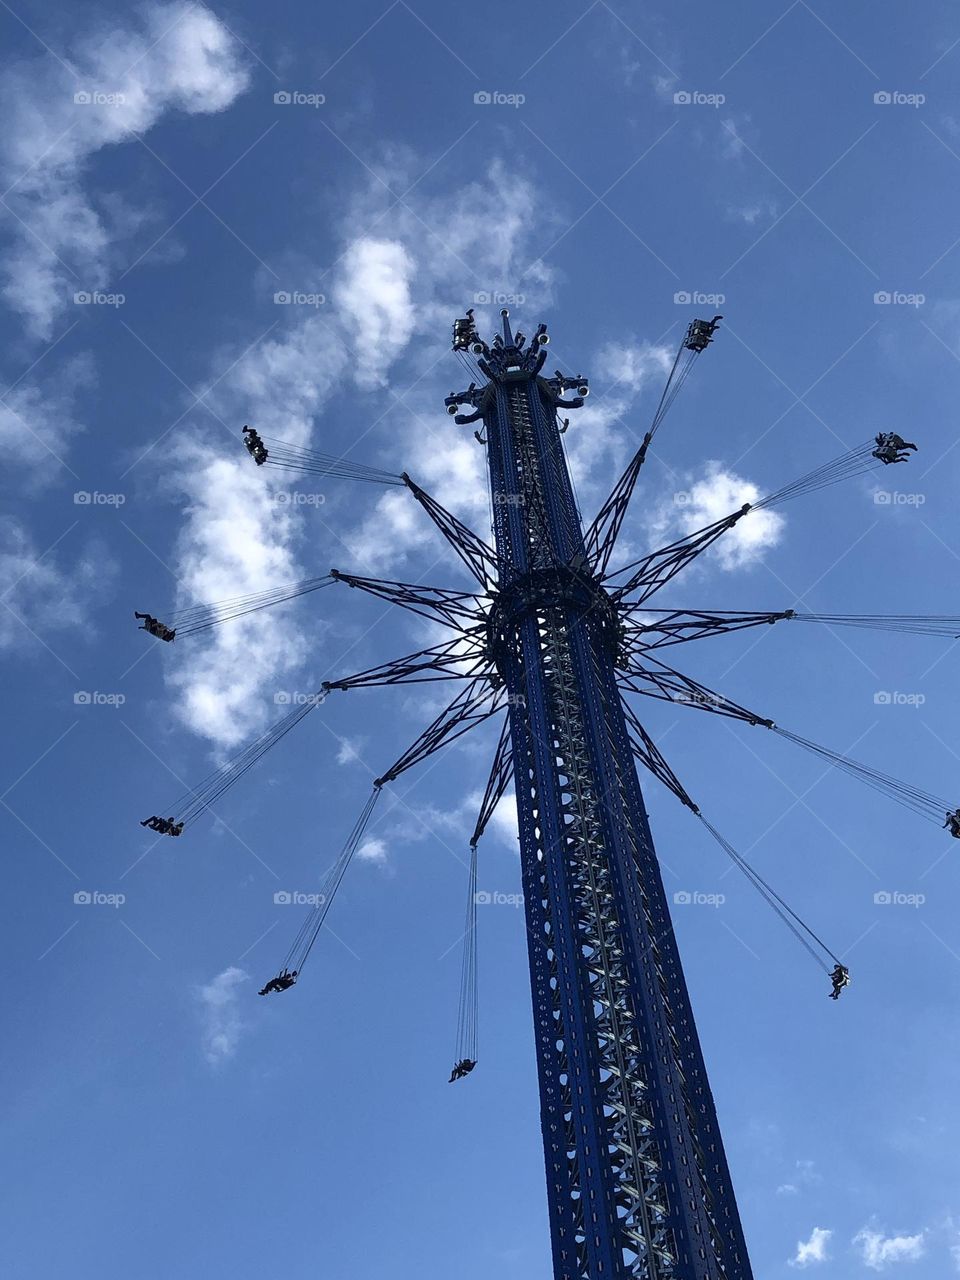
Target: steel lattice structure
(637,1178)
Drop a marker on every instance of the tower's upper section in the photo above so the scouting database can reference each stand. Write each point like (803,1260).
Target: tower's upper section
(509,358)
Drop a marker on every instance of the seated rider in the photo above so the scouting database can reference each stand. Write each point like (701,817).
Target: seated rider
(952,824)
(700,333)
(163,826)
(282,982)
(155,626)
(461,1069)
(892,448)
(840,979)
(255,446)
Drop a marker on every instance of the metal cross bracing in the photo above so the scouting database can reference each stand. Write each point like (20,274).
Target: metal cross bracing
(554,641)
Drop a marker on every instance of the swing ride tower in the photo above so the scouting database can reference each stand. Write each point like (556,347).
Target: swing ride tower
(555,641)
(637,1178)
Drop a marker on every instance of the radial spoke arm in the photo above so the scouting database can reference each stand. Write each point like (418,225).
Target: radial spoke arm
(501,774)
(660,681)
(658,568)
(603,533)
(656,628)
(649,754)
(479,558)
(456,609)
(469,708)
(461,658)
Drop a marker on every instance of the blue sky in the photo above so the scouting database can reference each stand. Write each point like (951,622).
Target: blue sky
(160,1119)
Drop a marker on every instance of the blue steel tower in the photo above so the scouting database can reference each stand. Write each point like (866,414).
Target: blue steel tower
(637,1177)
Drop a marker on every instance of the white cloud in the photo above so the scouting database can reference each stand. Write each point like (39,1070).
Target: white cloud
(753,212)
(236,538)
(179,58)
(879,1251)
(806,1176)
(349,750)
(36,426)
(40,595)
(373,849)
(236,541)
(812,1251)
(732,142)
(222,1024)
(373,295)
(504,822)
(703,501)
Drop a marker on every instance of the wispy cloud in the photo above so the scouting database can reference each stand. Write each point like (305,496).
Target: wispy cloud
(705,499)
(42,593)
(879,1251)
(115,84)
(810,1252)
(222,1024)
